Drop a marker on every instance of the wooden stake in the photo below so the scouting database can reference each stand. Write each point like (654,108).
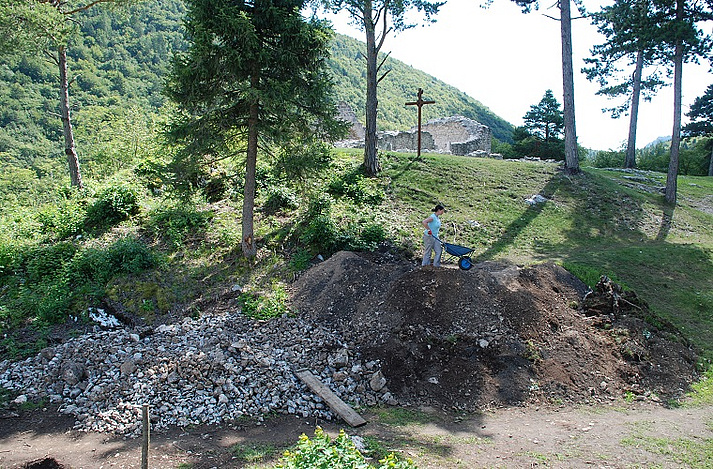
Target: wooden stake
(145,430)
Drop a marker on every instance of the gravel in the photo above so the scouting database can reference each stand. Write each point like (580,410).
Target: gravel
(209,370)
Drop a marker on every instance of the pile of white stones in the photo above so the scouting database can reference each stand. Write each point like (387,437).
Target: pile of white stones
(209,370)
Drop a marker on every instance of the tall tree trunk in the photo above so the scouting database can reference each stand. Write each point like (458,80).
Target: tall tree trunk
(672,177)
(248,242)
(630,160)
(570,132)
(69,147)
(710,165)
(371,158)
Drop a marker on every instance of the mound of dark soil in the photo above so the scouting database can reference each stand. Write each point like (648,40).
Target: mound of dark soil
(496,334)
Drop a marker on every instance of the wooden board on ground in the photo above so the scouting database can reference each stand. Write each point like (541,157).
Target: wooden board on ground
(332,400)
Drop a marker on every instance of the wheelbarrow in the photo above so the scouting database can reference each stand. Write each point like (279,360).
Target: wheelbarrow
(459,252)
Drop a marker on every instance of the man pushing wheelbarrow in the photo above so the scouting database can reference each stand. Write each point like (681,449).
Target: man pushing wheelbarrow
(431,243)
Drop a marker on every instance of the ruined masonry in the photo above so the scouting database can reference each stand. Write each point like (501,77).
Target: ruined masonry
(457,135)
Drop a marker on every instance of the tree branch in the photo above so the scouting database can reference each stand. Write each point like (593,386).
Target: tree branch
(85,7)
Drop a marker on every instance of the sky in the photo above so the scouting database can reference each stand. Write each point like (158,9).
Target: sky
(507,60)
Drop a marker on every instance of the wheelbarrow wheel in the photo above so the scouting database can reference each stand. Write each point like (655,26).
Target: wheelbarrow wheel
(465,263)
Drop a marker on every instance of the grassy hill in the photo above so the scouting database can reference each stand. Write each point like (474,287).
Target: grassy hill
(169,258)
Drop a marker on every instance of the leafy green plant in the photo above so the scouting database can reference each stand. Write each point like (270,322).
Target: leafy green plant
(113,205)
(322,233)
(269,306)
(340,453)
(63,220)
(300,260)
(176,224)
(354,185)
(279,198)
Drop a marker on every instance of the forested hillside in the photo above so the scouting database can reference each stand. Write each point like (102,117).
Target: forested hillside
(400,86)
(118,64)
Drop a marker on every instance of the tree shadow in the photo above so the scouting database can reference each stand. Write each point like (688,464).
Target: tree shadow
(666,221)
(518,225)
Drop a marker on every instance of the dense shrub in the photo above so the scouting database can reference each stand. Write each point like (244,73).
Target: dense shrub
(323,234)
(48,261)
(268,306)
(96,266)
(608,159)
(354,185)
(341,453)
(113,205)
(279,198)
(175,225)
(63,220)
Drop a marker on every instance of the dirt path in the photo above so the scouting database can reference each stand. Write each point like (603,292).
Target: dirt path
(634,435)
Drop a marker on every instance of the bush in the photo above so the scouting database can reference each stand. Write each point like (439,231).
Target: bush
(270,306)
(63,220)
(176,224)
(341,453)
(280,197)
(322,233)
(97,266)
(355,186)
(609,159)
(48,261)
(114,205)
(372,235)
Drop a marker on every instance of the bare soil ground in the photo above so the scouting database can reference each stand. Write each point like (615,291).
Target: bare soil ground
(498,366)
(619,436)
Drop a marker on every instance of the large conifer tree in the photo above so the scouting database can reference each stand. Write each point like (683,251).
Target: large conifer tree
(630,29)
(254,73)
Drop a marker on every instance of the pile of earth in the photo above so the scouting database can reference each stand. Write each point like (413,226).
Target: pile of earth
(497,334)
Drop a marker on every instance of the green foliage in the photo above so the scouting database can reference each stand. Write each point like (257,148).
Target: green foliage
(322,233)
(64,219)
(545,120)
(272,305)
(175,225)
(113,205)
(654,157)
(608,159)
(300,260)
(280,198)
(527,145)
(356,186)
(340,453)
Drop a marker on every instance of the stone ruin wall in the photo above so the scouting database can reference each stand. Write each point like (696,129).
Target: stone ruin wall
(456,134)
(408,141)
(345,113)
(459,135)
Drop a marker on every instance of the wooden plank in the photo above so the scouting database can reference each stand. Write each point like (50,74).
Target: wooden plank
(332,400)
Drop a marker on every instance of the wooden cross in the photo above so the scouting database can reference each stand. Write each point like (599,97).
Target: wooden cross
(419,102)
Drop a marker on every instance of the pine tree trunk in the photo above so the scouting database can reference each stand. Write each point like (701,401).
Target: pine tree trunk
(69,147)
(672,177)
(570,132)
(710,165)
(630,160)
(371,158)
(248,242)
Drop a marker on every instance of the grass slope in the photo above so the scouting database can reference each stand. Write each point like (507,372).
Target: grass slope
(597,223)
